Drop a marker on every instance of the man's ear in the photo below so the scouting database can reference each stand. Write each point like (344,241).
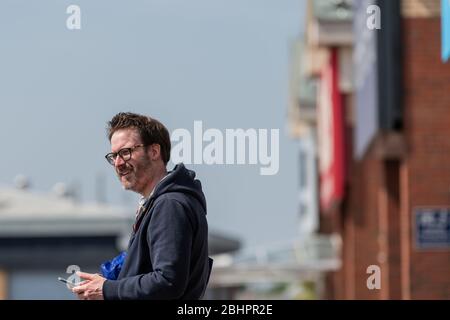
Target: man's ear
(154,151)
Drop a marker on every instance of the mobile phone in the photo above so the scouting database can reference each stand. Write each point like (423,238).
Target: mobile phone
(68,283)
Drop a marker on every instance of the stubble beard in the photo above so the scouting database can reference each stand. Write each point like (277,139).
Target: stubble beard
(131,180)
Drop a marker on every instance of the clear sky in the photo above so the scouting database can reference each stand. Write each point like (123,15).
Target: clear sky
(224,62)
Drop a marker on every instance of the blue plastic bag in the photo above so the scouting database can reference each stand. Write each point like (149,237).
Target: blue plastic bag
(111,269)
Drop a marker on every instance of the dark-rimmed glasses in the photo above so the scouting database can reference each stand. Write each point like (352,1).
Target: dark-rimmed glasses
(124,153)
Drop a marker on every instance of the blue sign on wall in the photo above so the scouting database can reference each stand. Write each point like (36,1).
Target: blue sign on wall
(432,228)
(445,6)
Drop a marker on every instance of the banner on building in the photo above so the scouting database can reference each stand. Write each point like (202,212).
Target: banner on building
(331,135)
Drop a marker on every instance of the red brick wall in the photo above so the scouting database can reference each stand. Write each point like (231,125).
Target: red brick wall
(427,130)
(366,225)
(376,217)
(357,221)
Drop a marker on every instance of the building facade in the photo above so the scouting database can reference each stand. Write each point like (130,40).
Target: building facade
(393,213)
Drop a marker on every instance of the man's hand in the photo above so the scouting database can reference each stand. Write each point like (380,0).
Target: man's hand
(92,288)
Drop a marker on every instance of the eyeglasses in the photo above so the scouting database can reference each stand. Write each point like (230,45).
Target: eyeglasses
(124,153)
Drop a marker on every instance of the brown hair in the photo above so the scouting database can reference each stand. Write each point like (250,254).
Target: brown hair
(151,130)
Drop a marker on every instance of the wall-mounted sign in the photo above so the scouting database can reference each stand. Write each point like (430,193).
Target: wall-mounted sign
(366,79)
(378,75)
(432,228)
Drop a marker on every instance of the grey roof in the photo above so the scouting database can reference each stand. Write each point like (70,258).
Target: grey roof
(17,203)
(23,212)
(220,243)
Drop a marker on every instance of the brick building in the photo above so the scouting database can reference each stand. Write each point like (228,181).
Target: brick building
(396,128)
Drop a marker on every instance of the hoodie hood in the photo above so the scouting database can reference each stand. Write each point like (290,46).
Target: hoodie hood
(181,180)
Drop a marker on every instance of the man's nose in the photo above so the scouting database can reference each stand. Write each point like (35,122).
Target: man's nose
(119,162)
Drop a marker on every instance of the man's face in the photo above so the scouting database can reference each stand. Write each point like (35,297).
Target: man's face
(134,173)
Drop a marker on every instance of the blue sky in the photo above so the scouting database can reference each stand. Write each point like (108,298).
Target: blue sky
(225,63)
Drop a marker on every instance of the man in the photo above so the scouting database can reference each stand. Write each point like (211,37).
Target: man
(167,255)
